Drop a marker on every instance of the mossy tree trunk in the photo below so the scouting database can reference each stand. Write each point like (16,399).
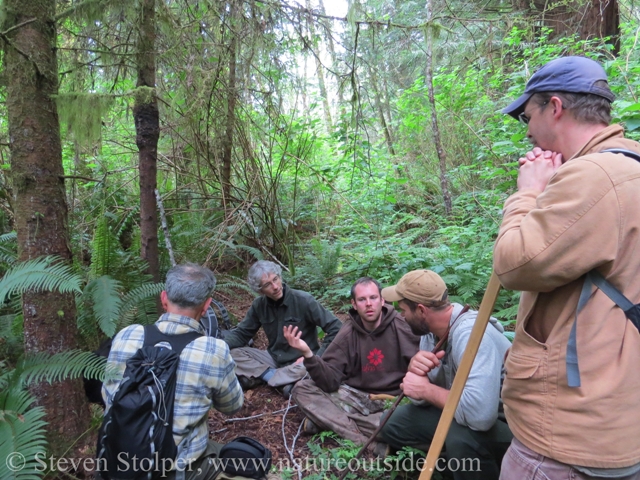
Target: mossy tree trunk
(41,222)
(147,120)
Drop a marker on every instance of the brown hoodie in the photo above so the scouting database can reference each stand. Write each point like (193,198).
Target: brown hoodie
(374,362)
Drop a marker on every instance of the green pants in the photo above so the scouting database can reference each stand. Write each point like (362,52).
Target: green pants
(466,450)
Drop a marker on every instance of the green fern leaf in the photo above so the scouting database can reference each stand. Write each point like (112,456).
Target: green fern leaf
(257,254)
(22,435)
(138,294)
(105,296)
(42,367)
(8,237)
(104,248)
(40,274)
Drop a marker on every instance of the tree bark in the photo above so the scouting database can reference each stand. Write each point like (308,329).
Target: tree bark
(442,158)
(41,212)
(379,102)
(227,147)
(147,121)
(320,73)
(588,18)
(334,58)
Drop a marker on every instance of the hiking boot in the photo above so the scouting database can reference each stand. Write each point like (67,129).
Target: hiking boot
(380,449)
(309,427)
(285,390)
(247,383)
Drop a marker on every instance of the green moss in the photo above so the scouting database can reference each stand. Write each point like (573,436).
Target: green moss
(144,95)
(82,113)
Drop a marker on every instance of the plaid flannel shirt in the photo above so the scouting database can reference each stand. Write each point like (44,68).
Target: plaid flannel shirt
(205,377)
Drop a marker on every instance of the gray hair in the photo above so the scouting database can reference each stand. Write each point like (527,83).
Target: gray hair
(189,285)
(587,108)
(259,270)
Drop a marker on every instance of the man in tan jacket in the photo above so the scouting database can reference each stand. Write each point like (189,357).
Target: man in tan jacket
(573,380)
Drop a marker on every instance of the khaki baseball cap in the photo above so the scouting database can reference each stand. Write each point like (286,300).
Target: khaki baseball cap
(420,286)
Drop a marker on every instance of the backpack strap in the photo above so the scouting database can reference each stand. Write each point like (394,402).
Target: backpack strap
(153,335)
(623,151)
(594,278)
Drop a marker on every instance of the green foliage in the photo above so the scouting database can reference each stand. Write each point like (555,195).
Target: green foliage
(40,274)
(8,252)
(105,299)
(22,427)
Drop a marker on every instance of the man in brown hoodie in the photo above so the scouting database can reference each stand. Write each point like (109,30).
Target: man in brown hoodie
(370,354)
(573,382)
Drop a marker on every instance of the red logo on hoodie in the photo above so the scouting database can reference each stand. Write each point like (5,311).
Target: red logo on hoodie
(375,357)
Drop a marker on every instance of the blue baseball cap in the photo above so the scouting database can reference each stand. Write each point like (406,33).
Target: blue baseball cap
(565,74)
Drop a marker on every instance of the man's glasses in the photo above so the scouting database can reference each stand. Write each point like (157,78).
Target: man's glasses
(525,119)
(268,285)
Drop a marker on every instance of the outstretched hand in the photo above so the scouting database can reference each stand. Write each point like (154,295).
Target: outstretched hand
(536,169)
(293,336)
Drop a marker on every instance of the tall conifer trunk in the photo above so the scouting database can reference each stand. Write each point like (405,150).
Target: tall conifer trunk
(41,222)
(147,120)
(227,143)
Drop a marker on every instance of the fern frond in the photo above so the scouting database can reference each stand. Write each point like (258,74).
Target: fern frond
(8,248)
(104,248)
(42,367)
(139,305)
(105,296)
(41,274)
(257,253)
(138,294)
(8,237)
(22,430)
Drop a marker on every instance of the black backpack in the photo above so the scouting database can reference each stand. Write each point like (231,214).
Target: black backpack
(246,457)
(140,421)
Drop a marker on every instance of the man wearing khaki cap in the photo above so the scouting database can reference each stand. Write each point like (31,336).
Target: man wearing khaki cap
(477,436)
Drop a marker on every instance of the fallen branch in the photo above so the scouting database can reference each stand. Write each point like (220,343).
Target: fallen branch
(229,420)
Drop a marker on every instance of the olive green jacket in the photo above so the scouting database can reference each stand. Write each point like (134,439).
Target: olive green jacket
(295,308)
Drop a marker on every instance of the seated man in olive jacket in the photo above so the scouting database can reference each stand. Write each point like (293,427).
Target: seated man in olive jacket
(371,354)
(279,306)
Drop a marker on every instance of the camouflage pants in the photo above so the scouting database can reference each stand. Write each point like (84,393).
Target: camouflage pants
(251,362)
(348,412)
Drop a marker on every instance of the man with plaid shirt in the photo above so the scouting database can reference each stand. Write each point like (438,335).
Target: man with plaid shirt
(206,372)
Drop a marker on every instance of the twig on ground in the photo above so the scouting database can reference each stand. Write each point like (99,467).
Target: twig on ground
(293,441)
(229,420)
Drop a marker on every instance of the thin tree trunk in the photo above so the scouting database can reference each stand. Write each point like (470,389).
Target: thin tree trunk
(227,148)
(332,52)
(378,102)
(147,120)
(320,73)
(41,213)
(444,182)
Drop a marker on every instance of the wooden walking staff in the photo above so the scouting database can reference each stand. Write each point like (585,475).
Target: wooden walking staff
(486,307)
